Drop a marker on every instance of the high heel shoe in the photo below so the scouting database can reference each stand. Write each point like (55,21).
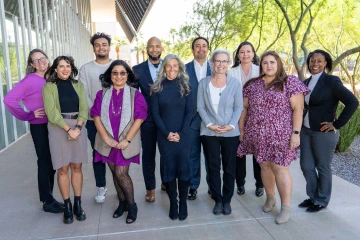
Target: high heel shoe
(68,214)
(132,213)
(123,207)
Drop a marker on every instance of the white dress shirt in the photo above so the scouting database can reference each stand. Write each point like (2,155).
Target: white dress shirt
(200,70)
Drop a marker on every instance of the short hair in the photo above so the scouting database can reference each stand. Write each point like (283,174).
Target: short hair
(219,51)
(106,77)
(29,67)
(100,35)
(51,74)
(193,42)
(328,59)
(237,61)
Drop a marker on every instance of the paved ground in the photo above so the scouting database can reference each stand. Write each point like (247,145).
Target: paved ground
(22,216)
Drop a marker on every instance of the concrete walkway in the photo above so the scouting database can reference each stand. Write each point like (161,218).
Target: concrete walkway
(22,216)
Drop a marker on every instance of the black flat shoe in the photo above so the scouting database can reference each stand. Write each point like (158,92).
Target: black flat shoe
(123,207)
(218,209)
(53,207)
(192,194)
(306,203)
(183,213)
(241,190)
(68,217)
(259,192)
(227,209)
(315,208)
(174,211)
(132,213)
(78,211)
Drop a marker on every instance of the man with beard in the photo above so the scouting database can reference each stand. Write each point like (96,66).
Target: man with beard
(147,74)
(89,75)
(197,69)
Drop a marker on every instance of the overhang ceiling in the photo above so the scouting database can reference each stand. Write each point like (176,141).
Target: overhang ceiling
(131,15)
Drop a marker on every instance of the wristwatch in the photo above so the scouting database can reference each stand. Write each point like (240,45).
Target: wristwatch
(296,132)
(78,126)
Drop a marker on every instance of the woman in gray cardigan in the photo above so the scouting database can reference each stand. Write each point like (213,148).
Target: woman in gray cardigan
(220,104)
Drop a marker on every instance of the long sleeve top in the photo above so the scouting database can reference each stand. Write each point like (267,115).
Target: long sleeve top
(29,91)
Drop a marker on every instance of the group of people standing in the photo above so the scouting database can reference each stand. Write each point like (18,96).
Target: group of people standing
(253,108)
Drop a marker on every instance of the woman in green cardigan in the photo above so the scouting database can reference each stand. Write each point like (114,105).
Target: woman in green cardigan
(66,107)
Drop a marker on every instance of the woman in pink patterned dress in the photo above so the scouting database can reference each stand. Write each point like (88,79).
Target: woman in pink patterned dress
(270,125)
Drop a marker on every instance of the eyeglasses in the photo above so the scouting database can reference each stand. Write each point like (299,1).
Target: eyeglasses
(221,62)
(115,74)
(42,59)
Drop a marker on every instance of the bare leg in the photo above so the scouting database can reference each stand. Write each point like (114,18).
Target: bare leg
(76,178)
(268,178)
(283,182)
(64,181)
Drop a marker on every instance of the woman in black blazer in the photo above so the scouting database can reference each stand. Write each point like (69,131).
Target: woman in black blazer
(319,133)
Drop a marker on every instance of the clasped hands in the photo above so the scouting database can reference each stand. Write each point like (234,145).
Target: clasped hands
(118,145)
(220,129)
(73,134)
(173,137)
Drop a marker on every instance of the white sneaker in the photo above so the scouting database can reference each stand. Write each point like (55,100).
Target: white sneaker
(100,197)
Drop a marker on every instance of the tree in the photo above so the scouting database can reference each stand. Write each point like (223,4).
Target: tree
(118,42)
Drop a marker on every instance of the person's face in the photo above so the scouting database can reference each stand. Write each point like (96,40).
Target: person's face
(200,50)
(269,66)
(221,63)
(63,70)
(154,49)
(119,76)
(101,48)
(317,63)
(246,54)
(40,62)
(172,69)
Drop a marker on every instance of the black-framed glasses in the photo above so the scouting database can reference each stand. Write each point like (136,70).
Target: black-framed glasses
(42,59)
(115,74)
(221,62)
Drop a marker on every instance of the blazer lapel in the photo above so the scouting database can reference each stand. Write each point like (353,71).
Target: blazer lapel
(208,72)
(317,89)
(147,72)
(192,73)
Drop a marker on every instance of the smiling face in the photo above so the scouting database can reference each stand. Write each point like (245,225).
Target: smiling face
(172,69)
(119,76)
(221,63)
(269,66)
(246,54)
(200,50)
(40,62)
(63,70)
(154,49)
(317,63)
(101,48)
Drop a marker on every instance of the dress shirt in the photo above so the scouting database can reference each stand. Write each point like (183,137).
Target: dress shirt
(153,70)
(311,86)
(200,70)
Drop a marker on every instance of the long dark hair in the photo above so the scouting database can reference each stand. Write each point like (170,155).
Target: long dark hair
(29,67)
(106,77)
(51,74)
(237,61)
(328,59)
(280,78)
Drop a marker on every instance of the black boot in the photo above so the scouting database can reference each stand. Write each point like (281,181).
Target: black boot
(123,207)
(171,191)
(132,213)
(183,190)
(78,211)
(68,214)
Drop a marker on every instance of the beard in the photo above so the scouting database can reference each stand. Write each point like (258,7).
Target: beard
(154,58)
(101,56)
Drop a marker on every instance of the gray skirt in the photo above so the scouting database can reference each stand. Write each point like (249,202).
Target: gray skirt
(64,151)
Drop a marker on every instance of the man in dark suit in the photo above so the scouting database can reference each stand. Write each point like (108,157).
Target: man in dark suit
(147,74)
(197,70)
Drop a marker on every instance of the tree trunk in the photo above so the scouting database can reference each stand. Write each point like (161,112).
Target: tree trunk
(117,49)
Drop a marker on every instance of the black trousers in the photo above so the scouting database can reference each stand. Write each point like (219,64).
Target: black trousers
(99,167)
(241,172)
(46,173)
(221,150)
(148,144)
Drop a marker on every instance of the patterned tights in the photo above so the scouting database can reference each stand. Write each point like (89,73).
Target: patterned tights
(123,183)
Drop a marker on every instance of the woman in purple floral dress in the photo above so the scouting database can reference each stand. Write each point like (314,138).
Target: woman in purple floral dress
(270,125)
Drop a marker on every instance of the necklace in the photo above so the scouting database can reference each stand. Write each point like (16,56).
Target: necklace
(221,90)
(113,108)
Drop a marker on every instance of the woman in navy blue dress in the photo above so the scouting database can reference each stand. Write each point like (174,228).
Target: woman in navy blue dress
(172,109)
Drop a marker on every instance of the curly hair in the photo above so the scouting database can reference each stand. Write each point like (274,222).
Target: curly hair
(51,74)
(182,76)
(100,35)
(106,77)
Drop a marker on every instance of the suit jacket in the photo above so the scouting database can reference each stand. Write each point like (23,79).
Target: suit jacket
(324,100)
(144,83)
(193,82)
(230,107)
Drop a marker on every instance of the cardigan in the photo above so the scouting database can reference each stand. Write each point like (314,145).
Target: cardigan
(230,107)
(235,72)
(52,104)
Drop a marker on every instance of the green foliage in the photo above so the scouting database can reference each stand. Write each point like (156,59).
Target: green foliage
(349,131)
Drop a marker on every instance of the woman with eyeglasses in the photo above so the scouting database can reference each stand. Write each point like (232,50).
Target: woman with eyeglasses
(118,111)
(220,103)
(29,91)
(66,107)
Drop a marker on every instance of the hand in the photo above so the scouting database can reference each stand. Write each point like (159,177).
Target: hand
(326,126)
(173,137)
(216,128)
(122,144)
(294,141)
(112,143)
(39,113)
(177,137)
(226,128)
(241,137)
(73,134)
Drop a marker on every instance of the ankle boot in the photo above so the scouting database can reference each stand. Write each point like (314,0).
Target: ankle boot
(132,213)
(171,191)
(270,203)
(68,214)
(78,211)
(123,207)
(284,215)
(183,190)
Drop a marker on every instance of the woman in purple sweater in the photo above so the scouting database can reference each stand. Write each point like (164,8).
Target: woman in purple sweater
(29,91)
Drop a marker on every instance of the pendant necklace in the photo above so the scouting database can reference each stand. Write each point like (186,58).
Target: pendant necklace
(113,108)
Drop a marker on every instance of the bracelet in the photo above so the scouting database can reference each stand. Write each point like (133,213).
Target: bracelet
(127,140)
(68,130)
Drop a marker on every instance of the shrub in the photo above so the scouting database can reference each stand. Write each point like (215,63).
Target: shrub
(349,131)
